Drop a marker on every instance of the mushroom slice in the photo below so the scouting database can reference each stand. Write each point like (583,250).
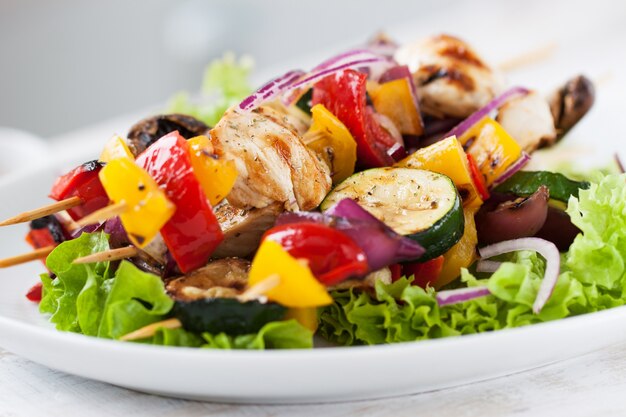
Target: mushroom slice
(570,103)
(147,131)
(223,278)
(243,228)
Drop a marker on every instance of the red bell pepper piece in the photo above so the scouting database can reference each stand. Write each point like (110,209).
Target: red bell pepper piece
(332,256)
(82,182)
(477,177)
(193,232)
(46,231)
(343,94)
(35,292)
(424,273)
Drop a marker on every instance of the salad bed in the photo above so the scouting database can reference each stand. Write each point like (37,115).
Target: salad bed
(373,199)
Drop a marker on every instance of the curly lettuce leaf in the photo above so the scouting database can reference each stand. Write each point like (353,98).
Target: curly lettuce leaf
(593,278)
(287,334)
(226,82)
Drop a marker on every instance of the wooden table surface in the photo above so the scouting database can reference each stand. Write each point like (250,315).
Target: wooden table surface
(591,385)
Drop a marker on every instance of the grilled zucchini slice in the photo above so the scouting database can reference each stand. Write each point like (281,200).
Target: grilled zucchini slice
(420,204)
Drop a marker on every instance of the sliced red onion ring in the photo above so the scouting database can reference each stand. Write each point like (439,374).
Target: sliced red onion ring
(462,127)
(383,46)
(543,247)
(369,62)
(269,90)
(460,295)
(516,166)
(344,57)
(487,266)
(381,244)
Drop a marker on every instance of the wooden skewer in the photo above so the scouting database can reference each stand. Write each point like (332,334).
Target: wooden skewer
(43,211)
(259,289)
(26,257)
(250,294)
(103,214)
(150,330)
(109,255)
(529,57)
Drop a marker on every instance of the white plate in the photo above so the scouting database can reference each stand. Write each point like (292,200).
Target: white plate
(19,150)
(325,374)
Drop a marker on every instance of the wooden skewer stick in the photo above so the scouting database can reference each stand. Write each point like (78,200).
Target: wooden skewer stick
(43,211)
(529,57)
(250,294)
(26,257)
(259,289)
(103,214)
(109,255)
(150,330)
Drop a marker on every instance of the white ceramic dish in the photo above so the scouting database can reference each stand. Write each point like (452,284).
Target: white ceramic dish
(325,374)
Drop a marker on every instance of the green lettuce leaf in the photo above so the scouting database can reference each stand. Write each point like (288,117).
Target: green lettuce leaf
(287,334)
(135,300)
(75,299)
(88,299)
(593,277)
(226,83)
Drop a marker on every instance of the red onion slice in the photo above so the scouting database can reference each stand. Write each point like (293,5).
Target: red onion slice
(544,248)
(462,127)
(516,166)
(460,295)
(344,57)
(269,90)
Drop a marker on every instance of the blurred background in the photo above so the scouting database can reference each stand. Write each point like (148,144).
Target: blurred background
(68,64)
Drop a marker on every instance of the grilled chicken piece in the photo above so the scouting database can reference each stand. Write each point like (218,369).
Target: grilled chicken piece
(224,278)
(243,228)
(529,121)
(452,80)
(570,103)
(273,163)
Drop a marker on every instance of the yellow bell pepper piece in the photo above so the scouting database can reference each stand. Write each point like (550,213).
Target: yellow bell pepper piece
(116,148)
(447,157)
(332,141)
(493,149)
(462,254)
(297,288)
(395,100)
(148,209)
(306,316)
(216,176)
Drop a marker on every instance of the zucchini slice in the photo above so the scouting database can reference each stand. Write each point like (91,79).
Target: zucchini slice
(205,300)
(525,183)
(416,203)
(226,315)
